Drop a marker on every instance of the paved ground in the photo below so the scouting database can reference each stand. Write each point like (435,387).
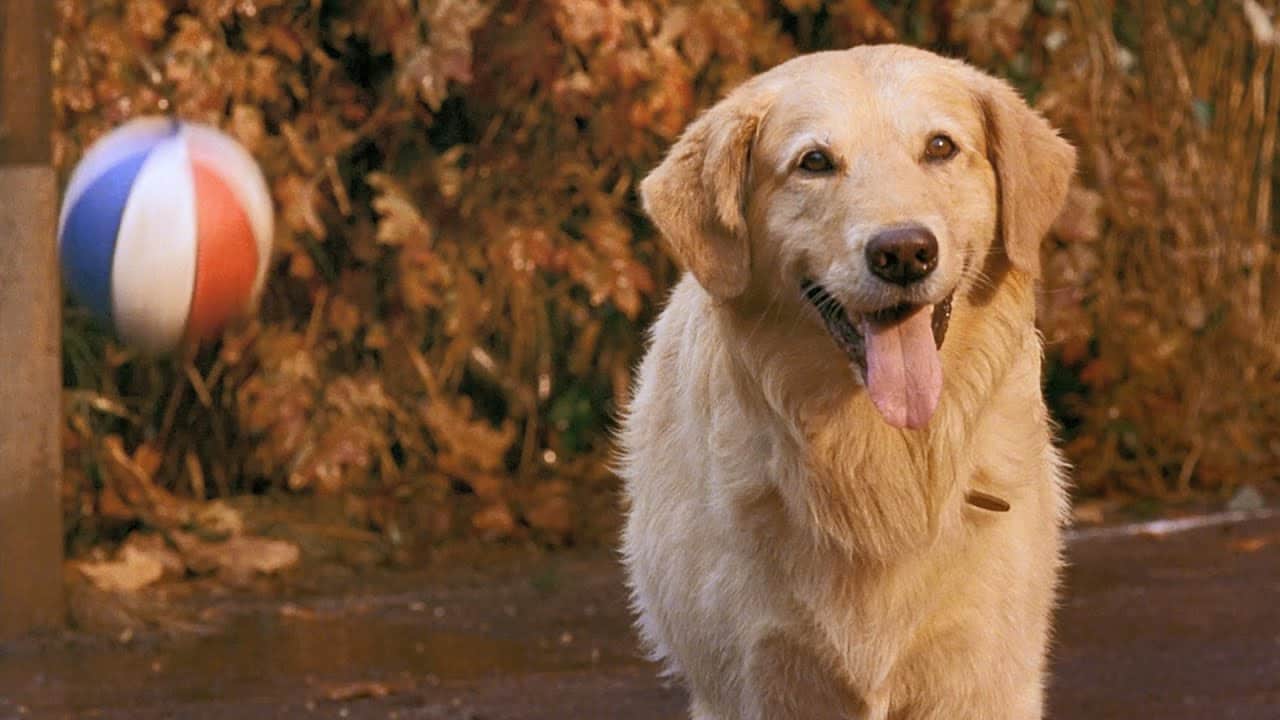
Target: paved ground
(1176,627)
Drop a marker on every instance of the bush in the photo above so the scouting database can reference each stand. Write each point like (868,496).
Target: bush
(462,276)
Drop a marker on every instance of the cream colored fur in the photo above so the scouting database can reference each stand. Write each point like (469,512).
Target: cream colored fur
(791,554)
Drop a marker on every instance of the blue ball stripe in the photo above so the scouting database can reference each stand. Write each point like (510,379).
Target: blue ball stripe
(89,235)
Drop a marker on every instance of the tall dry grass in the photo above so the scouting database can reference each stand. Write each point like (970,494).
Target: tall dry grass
(1164,327)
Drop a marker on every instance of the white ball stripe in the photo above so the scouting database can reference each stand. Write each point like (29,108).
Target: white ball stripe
(127,140)
(153,272)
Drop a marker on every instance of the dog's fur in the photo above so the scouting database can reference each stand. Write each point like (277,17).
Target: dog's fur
(791,554)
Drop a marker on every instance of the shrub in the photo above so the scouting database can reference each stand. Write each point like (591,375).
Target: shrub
(462,276)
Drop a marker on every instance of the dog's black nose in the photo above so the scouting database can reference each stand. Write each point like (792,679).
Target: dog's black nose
(902,255)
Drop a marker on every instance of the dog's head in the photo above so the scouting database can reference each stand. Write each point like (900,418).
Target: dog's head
(874,184)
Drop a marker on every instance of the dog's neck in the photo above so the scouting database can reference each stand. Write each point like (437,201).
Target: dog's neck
(874,490)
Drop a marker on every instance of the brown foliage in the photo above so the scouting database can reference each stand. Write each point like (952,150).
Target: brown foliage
(462,276)
(1167,321)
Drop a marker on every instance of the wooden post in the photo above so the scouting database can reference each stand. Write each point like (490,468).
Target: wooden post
(30,329)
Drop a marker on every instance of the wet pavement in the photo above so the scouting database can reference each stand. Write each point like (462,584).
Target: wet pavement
(1175,627)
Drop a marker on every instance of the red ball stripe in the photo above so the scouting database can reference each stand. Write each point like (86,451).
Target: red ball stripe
(226,256)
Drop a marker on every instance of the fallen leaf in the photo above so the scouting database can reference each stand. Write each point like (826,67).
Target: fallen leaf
(261,554)
(357,691)
(296,612)
(550,510)
(148,458)
(155,547)
(239,556)
(1246,499)
(1250,544)
(494,522)
(486,486)
(466,441)
(137,489)
(132,571)
(1088,513)
(112,507)
(219,520)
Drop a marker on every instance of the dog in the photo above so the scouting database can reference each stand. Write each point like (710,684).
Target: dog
(841,493)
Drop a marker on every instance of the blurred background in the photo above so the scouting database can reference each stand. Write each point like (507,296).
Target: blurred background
(462,277)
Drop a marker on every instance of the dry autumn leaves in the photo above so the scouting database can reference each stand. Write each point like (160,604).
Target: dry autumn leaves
(462,275)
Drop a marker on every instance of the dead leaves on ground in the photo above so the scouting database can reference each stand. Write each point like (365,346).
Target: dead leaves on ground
(183,537)
(138,563)
(1253,544)
(144,559)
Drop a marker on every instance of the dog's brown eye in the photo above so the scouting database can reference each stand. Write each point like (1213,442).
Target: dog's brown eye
(816,161)
(940,147)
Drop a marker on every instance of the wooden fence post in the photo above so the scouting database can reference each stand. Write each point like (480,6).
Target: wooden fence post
(31,594)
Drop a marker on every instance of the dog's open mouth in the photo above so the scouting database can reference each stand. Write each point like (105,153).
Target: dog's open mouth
(896,349)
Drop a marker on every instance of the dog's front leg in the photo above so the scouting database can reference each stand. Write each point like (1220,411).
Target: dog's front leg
(788,680)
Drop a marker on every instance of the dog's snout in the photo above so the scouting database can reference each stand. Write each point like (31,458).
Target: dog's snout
(902,255)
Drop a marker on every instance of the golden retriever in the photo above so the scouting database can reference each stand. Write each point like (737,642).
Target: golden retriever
(842,496)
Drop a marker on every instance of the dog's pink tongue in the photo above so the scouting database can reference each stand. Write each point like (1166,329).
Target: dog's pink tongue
(904,373)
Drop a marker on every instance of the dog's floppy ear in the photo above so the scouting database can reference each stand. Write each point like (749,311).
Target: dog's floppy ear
(696,196)
(1033,169)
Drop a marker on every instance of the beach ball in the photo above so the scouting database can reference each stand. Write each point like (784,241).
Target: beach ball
(165,232)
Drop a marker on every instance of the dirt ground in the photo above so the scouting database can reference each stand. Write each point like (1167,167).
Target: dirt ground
(1177,626)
